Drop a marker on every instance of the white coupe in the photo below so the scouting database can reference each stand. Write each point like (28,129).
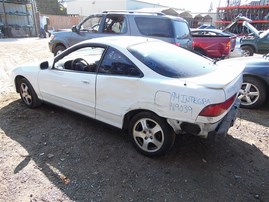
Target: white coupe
(150,88)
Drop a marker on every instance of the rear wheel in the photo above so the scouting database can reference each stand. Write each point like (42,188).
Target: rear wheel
(247,51)
(150,134)
(58,49)
(252,93)
(28,94)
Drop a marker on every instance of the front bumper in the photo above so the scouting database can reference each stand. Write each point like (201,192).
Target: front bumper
(50,46)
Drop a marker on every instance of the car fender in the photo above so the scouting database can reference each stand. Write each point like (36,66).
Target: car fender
(250,42)
(29,72)
(59,41)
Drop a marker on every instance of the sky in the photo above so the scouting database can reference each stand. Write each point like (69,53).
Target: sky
(191,5)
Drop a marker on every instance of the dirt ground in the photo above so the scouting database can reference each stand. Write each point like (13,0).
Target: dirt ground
(51,154)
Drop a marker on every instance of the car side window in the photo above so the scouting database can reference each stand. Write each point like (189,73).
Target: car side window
(116,63)
(91,24)
(115,24)
(85,59)
(154,26)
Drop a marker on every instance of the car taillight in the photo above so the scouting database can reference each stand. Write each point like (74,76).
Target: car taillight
(228,46)
(217,109)
(177,44)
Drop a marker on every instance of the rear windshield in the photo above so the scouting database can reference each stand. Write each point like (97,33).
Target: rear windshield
(182,30)
(171,61)
(155,27)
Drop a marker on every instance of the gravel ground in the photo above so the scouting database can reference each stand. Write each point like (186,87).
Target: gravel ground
(51,154)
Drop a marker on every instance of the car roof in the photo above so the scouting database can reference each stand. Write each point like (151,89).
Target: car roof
(122,41)
(142,13)
(133,12)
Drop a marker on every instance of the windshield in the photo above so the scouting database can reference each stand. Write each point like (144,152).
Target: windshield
(171,61)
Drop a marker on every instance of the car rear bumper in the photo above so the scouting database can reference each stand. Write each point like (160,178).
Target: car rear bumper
(207,130)
(227,122)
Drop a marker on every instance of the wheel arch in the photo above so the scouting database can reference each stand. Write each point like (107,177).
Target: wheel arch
(258,78)
(254,48)
(59,44)
(16,82)
(128,117)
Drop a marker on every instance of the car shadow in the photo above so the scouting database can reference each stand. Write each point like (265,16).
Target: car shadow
(91,161)
(260,115)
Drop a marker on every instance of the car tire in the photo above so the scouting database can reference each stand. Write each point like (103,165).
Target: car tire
(150,134)
(252,93)
(27,93)
(247,51)
(58,49)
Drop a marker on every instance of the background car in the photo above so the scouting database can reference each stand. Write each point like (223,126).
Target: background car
(255,88)
(150,88)
(216,43)
(236,26)
(210,32)
(171,29)
(206,26)
(257,42)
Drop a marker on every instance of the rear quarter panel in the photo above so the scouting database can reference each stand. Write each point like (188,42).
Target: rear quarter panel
(214,46)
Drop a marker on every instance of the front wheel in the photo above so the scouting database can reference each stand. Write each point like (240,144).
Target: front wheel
(59,49)
(247,51)
(252,93)
(28,94)
(150,134)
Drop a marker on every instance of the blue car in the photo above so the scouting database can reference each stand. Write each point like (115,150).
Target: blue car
(255,88)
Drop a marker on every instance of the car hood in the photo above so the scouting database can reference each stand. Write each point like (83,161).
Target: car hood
(236,20)
(251,28)
(62,31)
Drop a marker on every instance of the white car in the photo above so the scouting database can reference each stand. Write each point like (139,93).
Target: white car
(148,87)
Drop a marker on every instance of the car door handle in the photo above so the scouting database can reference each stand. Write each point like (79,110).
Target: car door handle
(85,81)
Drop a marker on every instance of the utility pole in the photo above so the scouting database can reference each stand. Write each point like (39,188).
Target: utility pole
(35,17)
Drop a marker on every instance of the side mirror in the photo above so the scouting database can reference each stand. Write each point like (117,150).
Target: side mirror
(44,65)
(74,28)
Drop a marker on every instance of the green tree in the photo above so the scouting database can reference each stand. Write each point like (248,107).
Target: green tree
(50,7)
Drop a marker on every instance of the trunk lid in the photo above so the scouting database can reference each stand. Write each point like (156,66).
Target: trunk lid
(227,77)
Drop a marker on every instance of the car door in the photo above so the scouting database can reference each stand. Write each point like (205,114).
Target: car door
(263,44)
(70,83)
(87,29)
(116,87)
